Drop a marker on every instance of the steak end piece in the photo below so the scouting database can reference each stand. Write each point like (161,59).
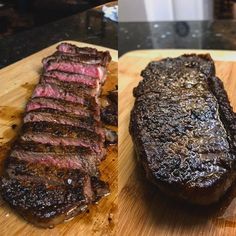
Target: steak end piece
(183,129)
(47,196)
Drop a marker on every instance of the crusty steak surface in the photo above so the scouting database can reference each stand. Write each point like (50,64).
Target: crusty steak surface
(46,196)
(183,129)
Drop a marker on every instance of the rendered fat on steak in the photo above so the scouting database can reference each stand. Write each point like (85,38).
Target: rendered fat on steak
(183,129)
(51,173)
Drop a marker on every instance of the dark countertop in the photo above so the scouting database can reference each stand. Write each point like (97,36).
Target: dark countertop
(179,35)
(89,26)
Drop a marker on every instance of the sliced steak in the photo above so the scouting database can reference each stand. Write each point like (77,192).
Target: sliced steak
(98,59)
(183,129)
(75,88)
(54,116)
(92,65)
(51,173)
(73,77)
(47,196)
(39,147)
(70,48)
(55,91)
(76,67)
(42,204)
(65,106)
(104,56)
(86,163)
(58,134)
(70,157)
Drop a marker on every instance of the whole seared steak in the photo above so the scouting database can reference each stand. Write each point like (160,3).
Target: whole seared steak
(184,128)
(51,173)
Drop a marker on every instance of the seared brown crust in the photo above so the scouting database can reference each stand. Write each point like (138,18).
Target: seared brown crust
(104,57)
(100,58)
(21,197)
(59,130)
(40,193)
(46,196)
(39,147)
(21,169)
(183,129)
(59,134)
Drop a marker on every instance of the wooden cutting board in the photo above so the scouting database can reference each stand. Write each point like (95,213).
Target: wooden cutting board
(16,85)
(143,210)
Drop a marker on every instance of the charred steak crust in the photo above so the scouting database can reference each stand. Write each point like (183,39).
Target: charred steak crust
(183,129)
(51,173)
(38,203)
(105,57)
(100,58)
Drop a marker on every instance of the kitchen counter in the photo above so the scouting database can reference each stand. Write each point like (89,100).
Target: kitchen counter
(179,35)
(89,26)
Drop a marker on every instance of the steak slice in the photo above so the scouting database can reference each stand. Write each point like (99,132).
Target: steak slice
(42,204)
(54,116)
(85,163)
(64,106)
(39,147)
(75,67)
(104,56)
(47,196)
(84,61)
(54,91)
(183,129)
(73,77)
(76,88)
(92,65)
(90,159)
(58,134)
(98,59)
(70,48)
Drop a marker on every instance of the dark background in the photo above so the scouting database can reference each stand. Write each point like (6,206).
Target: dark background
(216,34)
(39,24)
(19,15)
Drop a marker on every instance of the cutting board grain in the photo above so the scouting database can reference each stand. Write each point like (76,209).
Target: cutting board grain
(16,85)
(143,210)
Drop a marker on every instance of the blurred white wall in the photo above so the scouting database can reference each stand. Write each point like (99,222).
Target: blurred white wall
(165,10)
(193,9)
(132,10)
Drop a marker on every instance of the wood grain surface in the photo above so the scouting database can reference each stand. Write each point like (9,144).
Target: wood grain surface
(17,82)
(143,210)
